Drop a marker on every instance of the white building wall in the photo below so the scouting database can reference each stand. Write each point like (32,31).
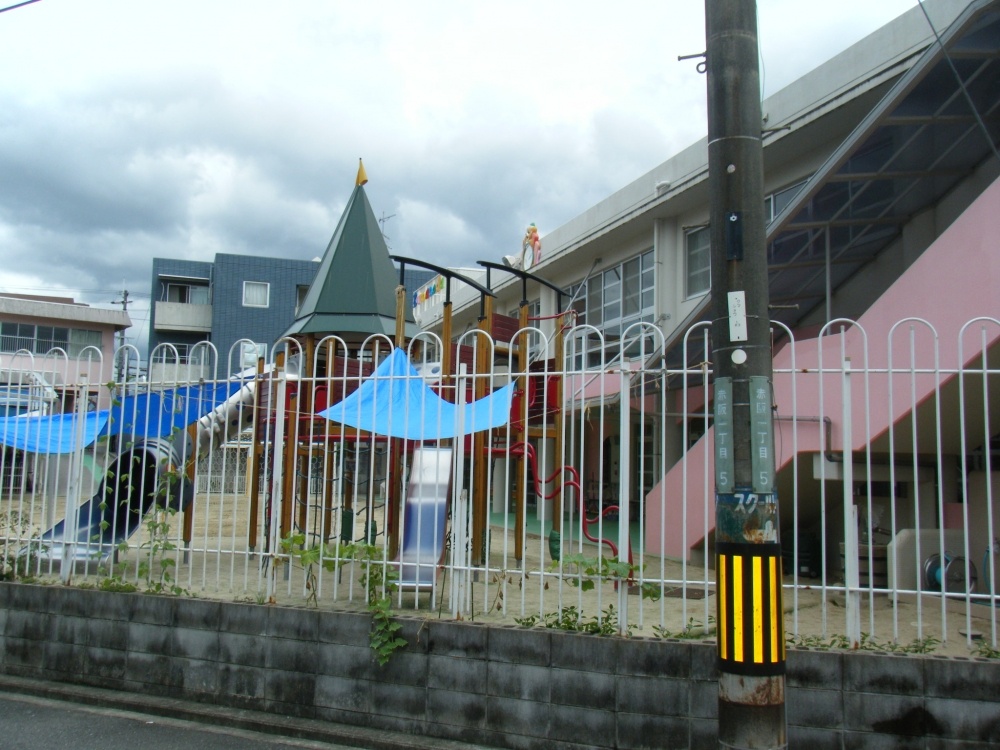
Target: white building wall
(804,122)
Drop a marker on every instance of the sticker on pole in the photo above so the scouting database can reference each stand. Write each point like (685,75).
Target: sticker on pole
(737,316)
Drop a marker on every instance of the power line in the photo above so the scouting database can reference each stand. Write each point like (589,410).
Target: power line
(19,5)
(18,288)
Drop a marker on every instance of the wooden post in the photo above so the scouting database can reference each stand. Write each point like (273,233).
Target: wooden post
(190,470)
(400,316)
(446,363)
(307,375)
(395,489)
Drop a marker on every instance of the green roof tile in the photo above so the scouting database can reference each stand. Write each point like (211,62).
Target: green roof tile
(355,287)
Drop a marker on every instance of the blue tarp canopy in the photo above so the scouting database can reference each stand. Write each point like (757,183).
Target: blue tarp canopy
(50,434)
(158,413)
(154,414)
(396,402)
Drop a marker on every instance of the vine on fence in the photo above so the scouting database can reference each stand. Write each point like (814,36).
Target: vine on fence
(156,566)
(17,564)
(158,546)
(585,573)
(377,577)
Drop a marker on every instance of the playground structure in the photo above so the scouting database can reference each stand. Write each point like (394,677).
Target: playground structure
(148,438)
(136,481)
(324,480)
(501,468)
(346,482)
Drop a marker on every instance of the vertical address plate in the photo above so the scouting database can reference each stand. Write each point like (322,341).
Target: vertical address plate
(724,458)
(761,434)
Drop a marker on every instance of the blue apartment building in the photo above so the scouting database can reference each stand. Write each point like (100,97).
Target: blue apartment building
(224,301)
(231,298)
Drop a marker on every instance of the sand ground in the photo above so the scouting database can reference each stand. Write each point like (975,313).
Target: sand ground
(219,564)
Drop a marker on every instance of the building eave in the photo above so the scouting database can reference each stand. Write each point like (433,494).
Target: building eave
(64,313)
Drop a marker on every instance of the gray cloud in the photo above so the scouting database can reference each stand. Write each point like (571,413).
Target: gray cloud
(117,147)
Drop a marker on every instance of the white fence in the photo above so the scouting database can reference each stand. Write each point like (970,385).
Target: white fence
(885,445)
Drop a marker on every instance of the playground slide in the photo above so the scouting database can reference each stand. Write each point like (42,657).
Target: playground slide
(150,471)
(142,476)
(228,419)
(425,514)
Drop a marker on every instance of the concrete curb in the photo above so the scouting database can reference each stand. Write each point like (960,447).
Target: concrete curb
(224,716)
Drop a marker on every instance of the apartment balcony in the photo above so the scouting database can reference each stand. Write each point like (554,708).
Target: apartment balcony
(175,373)
(183,316)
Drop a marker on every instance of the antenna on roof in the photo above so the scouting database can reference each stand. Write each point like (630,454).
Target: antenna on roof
(381,225)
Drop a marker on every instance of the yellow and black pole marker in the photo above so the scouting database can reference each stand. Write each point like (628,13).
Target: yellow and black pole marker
(748,556)
(751,639)
(748,610)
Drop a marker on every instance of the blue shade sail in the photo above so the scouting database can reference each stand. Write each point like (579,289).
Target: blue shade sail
(148,415)
(396,402)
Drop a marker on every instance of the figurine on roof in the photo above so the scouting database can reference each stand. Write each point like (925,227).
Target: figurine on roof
(531,250)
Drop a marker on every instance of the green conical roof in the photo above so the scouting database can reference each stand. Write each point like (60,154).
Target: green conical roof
(354,291)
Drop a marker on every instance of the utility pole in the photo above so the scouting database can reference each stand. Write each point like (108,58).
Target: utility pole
(749,617)
(121,338)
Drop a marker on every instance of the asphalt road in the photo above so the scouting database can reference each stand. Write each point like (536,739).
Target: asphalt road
(28,723)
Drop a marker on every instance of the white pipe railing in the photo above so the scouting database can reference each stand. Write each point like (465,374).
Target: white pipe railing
(914,437)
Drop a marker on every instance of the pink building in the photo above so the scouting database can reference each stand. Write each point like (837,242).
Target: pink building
(59,343)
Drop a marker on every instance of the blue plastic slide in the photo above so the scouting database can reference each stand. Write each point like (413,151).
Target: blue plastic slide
(425,515)
(144,475)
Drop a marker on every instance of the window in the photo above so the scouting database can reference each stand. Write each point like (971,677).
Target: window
(612,301)
(631,288)
(300,296)
(699,261)
(617,298)
(16,336)
(256,293)
(190,294)
(40,339)
(594,296)
(187,354)
(578,302)
(776,202)
(80,340)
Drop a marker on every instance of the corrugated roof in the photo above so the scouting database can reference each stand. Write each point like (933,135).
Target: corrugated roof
(938,124)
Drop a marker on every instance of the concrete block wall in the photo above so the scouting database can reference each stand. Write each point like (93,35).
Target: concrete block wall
(874,700)
(500,686)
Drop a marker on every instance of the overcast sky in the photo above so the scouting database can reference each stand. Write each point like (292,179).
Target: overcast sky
(133,129)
